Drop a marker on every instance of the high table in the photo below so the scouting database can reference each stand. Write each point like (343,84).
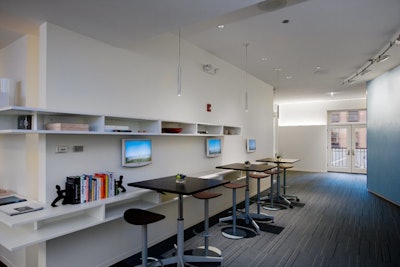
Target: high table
(279,197)
(191,186)
(247,216)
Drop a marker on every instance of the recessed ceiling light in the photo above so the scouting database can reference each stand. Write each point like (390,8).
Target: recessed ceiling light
(221,26)
(288,77)
(264,59)
(278,69)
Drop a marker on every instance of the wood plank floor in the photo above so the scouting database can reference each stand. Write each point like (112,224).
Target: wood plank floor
(340,224)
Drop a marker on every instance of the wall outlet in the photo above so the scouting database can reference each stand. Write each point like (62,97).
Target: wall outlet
(61,149)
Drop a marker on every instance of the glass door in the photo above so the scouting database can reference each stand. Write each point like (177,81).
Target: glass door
(359,149)
(347,148)
(339,139)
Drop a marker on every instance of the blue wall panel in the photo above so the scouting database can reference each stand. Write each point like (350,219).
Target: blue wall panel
(383,123)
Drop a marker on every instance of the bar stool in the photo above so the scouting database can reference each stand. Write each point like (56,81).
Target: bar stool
(234,231)
(285,167)
(206,250)
(260,216)
(271,205)
(143,218)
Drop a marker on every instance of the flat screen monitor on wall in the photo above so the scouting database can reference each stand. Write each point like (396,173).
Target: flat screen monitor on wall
(213,147)
(251,145)
(136,152)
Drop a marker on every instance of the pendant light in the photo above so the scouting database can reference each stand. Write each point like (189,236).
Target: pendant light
(179,78)
(246,100)
(278,72)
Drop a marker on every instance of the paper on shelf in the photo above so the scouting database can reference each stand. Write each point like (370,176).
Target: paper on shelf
(21,207)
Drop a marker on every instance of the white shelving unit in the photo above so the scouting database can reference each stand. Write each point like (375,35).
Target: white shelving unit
(101,124)
(31,228)
(51,222)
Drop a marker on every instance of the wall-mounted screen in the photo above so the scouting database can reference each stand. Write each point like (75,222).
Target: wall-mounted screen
(251,145)
(213,147)
(136,152)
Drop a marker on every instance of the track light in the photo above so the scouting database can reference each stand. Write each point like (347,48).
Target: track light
(364,71)
(382,58)
(397,41)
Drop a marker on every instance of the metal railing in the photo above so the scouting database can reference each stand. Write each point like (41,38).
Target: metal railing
(339,157)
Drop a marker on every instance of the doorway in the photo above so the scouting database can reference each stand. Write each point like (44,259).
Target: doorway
(347,147)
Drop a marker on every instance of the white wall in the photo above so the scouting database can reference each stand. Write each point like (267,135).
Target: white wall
(19,61)
(315,112)
(302,131)
(307,143)
(85,75)
(80,74)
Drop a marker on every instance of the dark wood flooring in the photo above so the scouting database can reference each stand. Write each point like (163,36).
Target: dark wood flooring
(337,223)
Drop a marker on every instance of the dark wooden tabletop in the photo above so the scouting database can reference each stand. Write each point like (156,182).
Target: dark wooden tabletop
(168,184)
(242,167)
(278,160)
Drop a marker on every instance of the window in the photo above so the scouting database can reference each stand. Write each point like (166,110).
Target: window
(347,117)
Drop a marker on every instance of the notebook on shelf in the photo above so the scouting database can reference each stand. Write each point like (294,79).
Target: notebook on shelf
(15,205)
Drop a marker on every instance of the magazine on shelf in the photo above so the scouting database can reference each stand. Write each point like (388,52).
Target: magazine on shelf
(10,199)
(21,207)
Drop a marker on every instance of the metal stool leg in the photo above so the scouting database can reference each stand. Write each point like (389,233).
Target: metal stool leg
(207,250)
(233,232)
(271,205)
(289,197)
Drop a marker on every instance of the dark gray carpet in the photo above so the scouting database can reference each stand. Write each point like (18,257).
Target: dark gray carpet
(337,223)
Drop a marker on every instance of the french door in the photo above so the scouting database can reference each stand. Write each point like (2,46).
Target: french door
(347,148)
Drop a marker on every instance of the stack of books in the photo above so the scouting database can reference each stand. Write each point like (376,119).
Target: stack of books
(87,188)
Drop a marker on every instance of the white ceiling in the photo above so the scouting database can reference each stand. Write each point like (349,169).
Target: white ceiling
(338,36)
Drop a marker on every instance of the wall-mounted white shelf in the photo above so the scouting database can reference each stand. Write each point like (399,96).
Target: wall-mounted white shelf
(35,227)
(103,124)
(31,228)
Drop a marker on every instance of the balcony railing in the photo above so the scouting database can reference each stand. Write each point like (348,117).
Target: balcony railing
(339,157)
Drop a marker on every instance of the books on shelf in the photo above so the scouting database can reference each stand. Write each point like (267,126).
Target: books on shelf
(88,187)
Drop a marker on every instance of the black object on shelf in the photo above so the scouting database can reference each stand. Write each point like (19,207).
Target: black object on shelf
(25,122)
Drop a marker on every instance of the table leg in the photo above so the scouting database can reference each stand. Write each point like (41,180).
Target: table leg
(280,198)
(247,217)
(180,257)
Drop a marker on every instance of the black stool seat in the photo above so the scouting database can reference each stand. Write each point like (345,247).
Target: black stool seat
(141,217)
(206,195)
